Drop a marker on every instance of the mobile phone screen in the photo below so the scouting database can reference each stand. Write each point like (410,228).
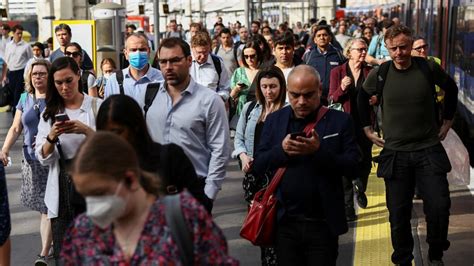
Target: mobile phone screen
(62,117)
(294,135)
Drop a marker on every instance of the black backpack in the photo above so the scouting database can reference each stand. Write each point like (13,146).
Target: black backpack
(150,94)
(218,67)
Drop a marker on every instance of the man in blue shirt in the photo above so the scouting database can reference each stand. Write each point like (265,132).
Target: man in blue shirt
(191,116)
(138,74)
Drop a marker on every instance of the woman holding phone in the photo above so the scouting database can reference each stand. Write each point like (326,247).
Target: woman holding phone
(243,76)
(271,95)
(68,118)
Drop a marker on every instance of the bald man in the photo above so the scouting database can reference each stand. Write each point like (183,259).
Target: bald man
(311,213)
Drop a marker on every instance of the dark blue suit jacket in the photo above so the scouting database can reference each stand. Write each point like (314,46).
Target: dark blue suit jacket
(337,156)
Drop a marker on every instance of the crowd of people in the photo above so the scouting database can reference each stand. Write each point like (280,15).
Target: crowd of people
(165,127)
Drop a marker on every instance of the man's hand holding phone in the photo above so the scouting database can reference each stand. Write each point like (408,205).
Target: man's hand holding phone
(298,144)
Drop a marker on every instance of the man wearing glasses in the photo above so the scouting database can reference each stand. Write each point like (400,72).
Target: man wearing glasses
(192,116)
(63,34)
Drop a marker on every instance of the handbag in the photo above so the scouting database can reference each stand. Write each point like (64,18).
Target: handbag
(5,96)
(259,224)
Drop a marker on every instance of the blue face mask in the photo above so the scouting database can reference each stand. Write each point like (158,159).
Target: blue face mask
(138,60)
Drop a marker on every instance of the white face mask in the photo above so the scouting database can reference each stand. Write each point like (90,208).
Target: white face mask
(107,75)
(103,210)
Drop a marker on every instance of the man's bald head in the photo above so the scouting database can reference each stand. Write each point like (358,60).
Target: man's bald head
(304,90)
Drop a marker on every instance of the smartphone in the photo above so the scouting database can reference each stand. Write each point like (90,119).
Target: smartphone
(61,117)
(297,134)
(242,85)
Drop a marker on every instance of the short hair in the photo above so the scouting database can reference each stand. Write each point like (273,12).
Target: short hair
(256,22)
(6,27)
(40,46)
(269,28)
(387,24)
(201,38)
(196,25)
(17,27)
(174,42)
(28,84)
(322,27)
(131,26)
(138,35)
(394,31)
(218,24)
(284,39)
(173,21)
(63,26)
(49,40)
(225,31)
(109,61)
(347,48)
(419,37)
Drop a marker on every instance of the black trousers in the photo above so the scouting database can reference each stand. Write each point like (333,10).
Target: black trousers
(302,242)
(427,168)
(16,83)
(362,170)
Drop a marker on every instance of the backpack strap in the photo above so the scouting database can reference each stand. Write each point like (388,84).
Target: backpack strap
(94,107)
(218,66)
(216,50)
(150,94)
(381,77)
(84,78)
(236,48)
(249,110)
(429,75)
(179,230)
(119,76)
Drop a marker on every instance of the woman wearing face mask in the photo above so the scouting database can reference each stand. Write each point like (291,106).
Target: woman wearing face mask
(346,82)
(107,66)
(270,98)
(125,219)
(34,175)
(74,50)
(122,115)
(68,118)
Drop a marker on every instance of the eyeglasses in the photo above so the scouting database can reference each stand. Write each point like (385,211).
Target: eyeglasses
(172,61)
(424,47)
(73,54)
(39,74)
(360,50)
(251,56)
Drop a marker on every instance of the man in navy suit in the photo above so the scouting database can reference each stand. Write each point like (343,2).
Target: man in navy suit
(311,212)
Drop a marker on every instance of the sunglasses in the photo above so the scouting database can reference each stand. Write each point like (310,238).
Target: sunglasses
(418,49)
(251,56)
(73,54)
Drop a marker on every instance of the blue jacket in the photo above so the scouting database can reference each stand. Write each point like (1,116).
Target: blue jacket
(336,157)
(324,63)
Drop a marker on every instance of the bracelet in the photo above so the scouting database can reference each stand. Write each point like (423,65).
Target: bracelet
(52,141)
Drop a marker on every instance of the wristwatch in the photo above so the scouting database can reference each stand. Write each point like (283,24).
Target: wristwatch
(52,141)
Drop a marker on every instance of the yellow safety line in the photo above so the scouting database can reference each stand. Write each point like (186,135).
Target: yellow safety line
(372,238)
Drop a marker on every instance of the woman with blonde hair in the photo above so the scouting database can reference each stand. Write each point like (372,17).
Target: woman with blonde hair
(346,82)
(33,175)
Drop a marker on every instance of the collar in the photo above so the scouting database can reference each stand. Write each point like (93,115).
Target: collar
(209,61)
(147,75)
(86,103)
(190,89)
(21,42)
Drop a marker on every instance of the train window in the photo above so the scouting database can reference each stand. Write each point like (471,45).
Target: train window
(462,49)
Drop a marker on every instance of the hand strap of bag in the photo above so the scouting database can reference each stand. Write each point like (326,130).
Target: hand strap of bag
(279,173)
(179,230)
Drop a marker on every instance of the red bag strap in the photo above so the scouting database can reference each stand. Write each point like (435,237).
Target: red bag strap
(279,173)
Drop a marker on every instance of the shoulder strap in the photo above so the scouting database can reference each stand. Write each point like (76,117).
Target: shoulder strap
(341,56)
(381,77)
(84,78)
(429,75)
(217,65)
(249,110)
(94,106)
(179,230)
(236,48)
(216,50)
(150,94)
(119,76)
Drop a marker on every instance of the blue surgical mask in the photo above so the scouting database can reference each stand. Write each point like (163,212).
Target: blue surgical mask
(138,60)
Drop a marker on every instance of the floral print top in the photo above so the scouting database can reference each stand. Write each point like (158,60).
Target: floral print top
(88,244)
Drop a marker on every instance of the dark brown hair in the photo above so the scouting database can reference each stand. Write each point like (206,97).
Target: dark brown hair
(54,101)
(271,72)
(98,155)
(254,45)
(394,31)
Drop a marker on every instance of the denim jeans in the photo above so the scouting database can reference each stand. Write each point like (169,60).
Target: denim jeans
(302,242)
(427,168)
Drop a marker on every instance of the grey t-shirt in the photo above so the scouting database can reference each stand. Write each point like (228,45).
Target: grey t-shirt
(229,59)
(408,110)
